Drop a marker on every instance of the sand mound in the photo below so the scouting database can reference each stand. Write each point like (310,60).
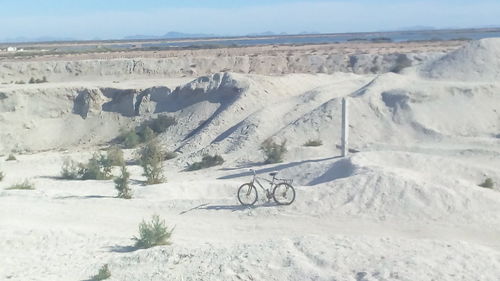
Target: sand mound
(477,61)
(230,113)
(390,185)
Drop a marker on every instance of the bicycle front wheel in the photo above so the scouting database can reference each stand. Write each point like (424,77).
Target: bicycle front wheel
(284,194)
(247,194)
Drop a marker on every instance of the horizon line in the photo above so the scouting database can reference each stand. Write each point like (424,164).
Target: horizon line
(265,34)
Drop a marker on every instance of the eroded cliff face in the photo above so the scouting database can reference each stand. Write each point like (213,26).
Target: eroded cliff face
(231,114)
(265,64)
(62,117)
(52,116)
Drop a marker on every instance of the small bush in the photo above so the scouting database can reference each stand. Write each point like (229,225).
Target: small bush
(154,233)
(98,168)
(103,274)
(115,156)
(206,162)
(25,185)
(146,134)
(11,157)
(316,142)
(274,152)
(71,170)
(147,131)
(121,184)
(161,123)
(130,139)
(488,183)
(151,160)
(170,155)
(37,81)
(2,175)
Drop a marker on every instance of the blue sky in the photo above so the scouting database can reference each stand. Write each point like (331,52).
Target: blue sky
(88,19)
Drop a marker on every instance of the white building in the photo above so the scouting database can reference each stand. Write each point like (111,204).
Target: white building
(11,49)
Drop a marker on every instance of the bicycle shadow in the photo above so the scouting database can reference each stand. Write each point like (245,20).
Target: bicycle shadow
(232,208)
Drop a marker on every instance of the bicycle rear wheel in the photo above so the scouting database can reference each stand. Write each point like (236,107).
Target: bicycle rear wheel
(247,194)
(284,194)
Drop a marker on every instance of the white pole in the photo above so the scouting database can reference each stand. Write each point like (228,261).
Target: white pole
(345,127)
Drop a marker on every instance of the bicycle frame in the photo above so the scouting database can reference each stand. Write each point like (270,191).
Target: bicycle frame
(256,178)
(281,197)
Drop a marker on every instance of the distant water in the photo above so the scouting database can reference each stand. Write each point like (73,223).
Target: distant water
(401,36)
(335,38)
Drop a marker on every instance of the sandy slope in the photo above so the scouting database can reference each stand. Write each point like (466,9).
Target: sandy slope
(378,220)
(407,206)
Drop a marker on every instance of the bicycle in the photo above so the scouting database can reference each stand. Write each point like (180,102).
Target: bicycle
(283,192)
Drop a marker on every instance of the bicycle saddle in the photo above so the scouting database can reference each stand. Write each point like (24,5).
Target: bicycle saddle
(273,174)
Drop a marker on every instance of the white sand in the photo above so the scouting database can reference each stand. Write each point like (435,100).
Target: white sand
(406,207)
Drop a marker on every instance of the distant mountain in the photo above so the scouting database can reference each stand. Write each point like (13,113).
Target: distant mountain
(170,35)
(174,34)
(489,26)
(266,33)
(37,39)
(141,37)
(309,32)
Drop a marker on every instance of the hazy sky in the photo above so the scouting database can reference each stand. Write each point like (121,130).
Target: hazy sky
(87,19)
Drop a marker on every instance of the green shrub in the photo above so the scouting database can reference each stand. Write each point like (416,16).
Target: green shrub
(37,81)
(206,162)
(151,160)
(316,142)
(115,156)
(161,123)
(274,152)
(121,184)
(170,155)
(154,233)
(98,168)
(2,175)
(147,131)
(103,274)
(130,139)
(71,170)
(11,157)
(25,185)
(146,134)
(488,183)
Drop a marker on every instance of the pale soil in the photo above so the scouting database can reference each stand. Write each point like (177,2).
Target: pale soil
(406,206)
(65,230)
